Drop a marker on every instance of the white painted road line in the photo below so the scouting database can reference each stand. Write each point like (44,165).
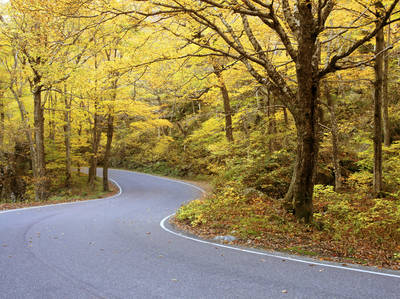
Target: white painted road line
(162,224)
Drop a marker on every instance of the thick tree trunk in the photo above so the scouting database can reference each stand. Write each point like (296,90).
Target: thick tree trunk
(385,103)
(67,141)
(299,196)
(335,139)
(227,104)
(378,67)
(110,132)
(41,181)
(300,193)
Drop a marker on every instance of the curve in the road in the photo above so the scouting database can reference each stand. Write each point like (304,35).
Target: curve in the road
(115,248)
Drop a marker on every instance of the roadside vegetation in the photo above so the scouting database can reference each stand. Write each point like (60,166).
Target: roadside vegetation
(59,194)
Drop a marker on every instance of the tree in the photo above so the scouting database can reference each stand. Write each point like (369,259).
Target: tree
(378,91)
(298,28)
(385,99)
(40,43)
(226,100)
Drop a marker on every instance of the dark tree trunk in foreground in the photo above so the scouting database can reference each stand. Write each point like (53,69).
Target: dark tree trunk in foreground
(300,192)
(378,67)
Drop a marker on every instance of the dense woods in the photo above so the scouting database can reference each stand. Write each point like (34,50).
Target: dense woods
(290,108)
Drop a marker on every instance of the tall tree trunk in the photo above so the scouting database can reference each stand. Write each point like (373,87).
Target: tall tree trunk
(27,130)
(300,193)
(271,121)
(285,116)
(41,182)
(2,120)
(79,134)
(378,67)
(52,116)
(385,103)
(110,132)
(335,139)
(96,135)
(67,140)
(227,105)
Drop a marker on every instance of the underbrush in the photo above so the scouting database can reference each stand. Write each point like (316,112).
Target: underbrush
(59,193)
(346,226)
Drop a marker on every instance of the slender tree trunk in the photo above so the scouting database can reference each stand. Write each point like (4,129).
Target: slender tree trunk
(110,132)
(41,182)
(52,116)
(96,135)
(335,139)
(378,67)
(227,105)
(285,116)
(271,121)
(27,131)
(67,140)
(385,103)
(79,134)
(2,120)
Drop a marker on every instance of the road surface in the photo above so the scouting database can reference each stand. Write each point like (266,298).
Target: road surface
(116,248)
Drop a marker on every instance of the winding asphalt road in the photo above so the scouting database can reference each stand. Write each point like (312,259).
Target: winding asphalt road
(116,248)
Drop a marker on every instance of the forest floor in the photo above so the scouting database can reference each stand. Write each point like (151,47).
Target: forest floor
(79,191)
(338,233)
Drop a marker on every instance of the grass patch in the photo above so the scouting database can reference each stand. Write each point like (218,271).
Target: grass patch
(301,251)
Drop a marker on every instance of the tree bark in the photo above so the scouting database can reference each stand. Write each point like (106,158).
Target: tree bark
(67,140)
(96,135)
(41,181)
(271,121)
(335,139)
(52,116)
(27,130)
(378,68)
(305,113)
(227,104)
(110,132)
(385,103)
(2,120)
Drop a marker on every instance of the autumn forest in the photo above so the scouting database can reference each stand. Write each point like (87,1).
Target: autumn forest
(289,109)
